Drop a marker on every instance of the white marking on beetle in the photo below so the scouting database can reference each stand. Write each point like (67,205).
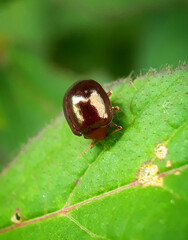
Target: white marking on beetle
(75,101)
(98,103)
(95,100)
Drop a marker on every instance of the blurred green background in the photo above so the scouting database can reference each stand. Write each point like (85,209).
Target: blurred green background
(46,45)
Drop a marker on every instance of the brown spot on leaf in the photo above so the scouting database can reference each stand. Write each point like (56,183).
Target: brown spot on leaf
(161,151)
(148,175)
(17,216)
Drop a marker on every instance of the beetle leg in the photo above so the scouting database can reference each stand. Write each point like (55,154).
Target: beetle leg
(116,108)
(109,94)
(90,146)
(118,128)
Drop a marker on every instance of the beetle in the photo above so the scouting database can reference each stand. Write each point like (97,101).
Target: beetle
(88,110)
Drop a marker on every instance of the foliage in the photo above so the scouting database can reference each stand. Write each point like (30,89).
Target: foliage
(132,185)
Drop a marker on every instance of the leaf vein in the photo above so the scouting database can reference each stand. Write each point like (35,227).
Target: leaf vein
(64,210)
(85,229)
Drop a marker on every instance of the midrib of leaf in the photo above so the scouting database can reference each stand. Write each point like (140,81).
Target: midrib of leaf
(65,210)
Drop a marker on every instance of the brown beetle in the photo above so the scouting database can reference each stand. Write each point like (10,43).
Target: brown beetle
(88,110)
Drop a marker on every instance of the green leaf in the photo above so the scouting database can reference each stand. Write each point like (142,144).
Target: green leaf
(132,185)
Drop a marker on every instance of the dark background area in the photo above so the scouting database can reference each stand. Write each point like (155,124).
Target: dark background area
(47,45)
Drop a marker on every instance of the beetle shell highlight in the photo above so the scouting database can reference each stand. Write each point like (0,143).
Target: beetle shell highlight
(88,109)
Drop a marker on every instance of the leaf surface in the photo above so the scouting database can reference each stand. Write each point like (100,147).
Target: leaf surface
(132,185)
